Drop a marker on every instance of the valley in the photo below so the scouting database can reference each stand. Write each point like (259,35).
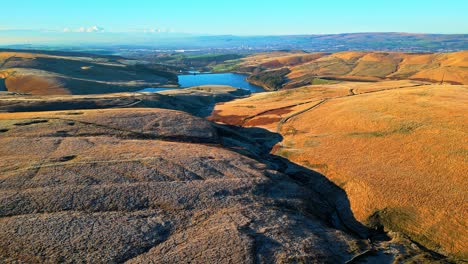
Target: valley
(375,143)
(348,157)
(237,132)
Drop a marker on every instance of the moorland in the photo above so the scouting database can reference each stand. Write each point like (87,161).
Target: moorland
(349,157)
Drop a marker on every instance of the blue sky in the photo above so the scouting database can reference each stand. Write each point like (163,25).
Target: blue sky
(239,17)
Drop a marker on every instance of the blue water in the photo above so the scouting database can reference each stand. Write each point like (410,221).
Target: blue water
(154,90)
(231,79)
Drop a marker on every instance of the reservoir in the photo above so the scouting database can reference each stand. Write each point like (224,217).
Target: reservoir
(232,79)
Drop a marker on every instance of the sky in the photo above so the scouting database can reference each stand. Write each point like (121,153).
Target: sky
(237,17)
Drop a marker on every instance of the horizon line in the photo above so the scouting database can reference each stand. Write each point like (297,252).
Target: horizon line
(222,34)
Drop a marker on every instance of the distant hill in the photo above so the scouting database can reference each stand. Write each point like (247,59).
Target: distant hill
(318,68)
(388,41)
(55,72)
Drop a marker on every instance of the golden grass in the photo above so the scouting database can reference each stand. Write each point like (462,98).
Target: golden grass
(401,151)
(38,85)
(43,74)
(281,103)
(349,55)
(434,67)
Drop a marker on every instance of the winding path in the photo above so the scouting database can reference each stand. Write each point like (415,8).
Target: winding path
(286,119)
(351,92)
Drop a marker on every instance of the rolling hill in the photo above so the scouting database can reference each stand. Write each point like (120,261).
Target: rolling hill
(359,157)
(316,68)
(70,73)
(162,186)
(136,42)
(397,148)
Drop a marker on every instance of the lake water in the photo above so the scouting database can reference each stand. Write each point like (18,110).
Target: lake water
(231,79)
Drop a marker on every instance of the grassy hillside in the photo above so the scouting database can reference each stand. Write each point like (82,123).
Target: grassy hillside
(270,80)
(361,66)
(364,161)
(38,73)
(398,149)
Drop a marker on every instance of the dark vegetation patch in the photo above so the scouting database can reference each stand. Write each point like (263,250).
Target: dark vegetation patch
(31,122)
(271,80)
(227,66)
(309,80)
(200,62)
(73,113)
(403,128)
(318,81)
(207,59)
(61,133)
(66,158)
(368,134)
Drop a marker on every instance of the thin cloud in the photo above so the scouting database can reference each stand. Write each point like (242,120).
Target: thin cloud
(91,29)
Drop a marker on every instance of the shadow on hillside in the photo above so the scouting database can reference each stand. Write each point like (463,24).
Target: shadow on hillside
(327,200)
(195,102)
(2,85)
